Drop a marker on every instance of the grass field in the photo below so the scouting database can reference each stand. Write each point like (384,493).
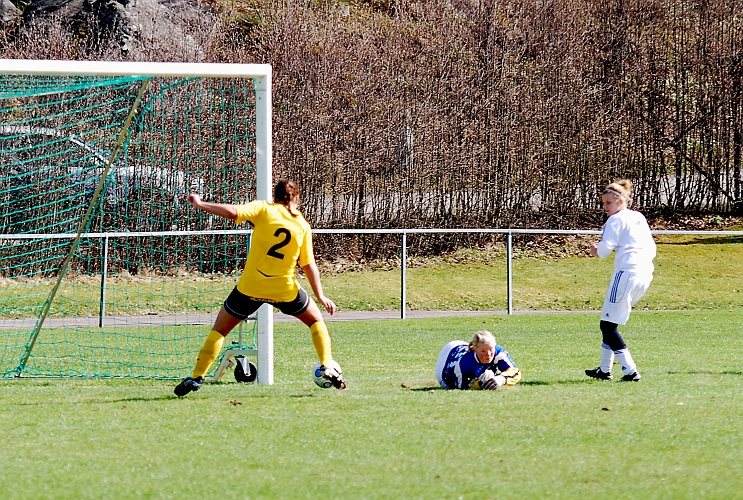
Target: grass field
(393,433)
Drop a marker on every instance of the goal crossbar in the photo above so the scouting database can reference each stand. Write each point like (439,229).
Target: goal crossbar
(123,68)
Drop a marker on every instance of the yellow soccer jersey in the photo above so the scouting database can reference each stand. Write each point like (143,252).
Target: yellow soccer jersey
(279,241)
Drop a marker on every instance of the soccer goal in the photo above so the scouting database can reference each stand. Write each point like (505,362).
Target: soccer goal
(105,269)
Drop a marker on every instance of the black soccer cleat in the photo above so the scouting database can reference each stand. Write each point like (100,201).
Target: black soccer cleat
(187,385)
(597,373)
(631,377)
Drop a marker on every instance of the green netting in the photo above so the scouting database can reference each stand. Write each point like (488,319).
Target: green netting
(23,86)
(144,282)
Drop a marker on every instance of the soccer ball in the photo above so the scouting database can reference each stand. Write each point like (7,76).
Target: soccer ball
(318,371)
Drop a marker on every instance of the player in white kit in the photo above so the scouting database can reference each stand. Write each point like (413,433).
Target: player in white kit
(626,232)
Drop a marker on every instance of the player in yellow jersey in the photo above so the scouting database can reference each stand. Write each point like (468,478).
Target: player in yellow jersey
(281,238)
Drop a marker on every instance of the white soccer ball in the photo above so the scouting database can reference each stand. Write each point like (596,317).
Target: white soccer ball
(318,371)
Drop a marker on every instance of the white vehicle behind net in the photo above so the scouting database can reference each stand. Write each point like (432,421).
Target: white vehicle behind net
(79,164)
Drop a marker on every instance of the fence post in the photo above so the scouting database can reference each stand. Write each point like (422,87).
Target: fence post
(509,270)
(403,258)
(104,272)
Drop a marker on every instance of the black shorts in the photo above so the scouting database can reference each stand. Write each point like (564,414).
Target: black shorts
(241,306)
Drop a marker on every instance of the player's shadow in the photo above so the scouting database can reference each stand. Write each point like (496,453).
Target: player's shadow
(523,382)
(162,397)
(708,240)
(706,372)
(557,382)
(572,381)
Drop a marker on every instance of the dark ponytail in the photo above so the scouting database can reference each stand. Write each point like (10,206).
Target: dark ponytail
(284,192)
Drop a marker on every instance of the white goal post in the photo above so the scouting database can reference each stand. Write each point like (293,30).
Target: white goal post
(260,74)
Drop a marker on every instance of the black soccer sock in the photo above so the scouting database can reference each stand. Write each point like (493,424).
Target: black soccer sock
(611,336)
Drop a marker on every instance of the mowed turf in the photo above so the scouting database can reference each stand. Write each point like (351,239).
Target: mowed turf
(393,433)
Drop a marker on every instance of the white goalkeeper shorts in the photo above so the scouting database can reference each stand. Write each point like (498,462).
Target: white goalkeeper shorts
(625,290)
(442,359)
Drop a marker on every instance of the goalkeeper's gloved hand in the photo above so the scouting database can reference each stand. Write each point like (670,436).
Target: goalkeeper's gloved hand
(512,376)
(489,381)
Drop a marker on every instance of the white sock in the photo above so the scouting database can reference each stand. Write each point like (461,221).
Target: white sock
(607,358)
(625,361)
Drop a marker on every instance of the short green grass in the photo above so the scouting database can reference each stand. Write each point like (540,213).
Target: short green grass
(393,433)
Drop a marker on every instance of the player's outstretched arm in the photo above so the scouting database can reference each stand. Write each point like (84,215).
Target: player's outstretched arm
(226,210)
(595,249)
(313,276)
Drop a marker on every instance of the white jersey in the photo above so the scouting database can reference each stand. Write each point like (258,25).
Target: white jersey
(628,233)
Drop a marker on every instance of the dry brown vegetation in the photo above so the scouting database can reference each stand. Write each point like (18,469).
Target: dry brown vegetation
(488,113)
(484,113)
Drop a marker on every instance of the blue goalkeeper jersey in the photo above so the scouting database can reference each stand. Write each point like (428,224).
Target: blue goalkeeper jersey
(462,367)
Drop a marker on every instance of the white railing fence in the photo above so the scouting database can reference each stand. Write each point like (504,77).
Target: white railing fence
(508,233)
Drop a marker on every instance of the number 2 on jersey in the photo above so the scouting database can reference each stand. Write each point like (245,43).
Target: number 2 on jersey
(280,232)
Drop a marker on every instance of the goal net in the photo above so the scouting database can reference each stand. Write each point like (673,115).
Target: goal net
(105,269)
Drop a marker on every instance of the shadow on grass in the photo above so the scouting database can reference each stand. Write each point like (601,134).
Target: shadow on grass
(707,372)
(707,240)
(163,397)
(561,382)
(171,396)
(523,382)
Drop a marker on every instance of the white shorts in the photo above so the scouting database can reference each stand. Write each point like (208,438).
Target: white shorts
(625,289)
(441,360)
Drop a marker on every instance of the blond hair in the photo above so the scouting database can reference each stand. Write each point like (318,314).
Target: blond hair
(620,189)
(481,337)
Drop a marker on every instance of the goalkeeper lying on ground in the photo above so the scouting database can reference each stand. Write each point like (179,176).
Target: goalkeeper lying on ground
(481,364)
